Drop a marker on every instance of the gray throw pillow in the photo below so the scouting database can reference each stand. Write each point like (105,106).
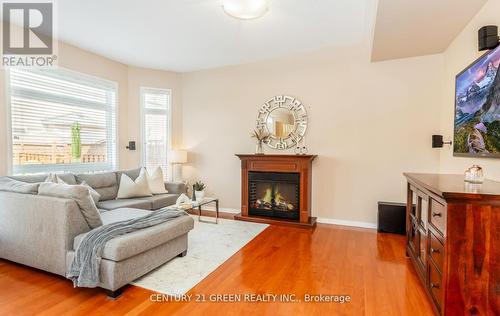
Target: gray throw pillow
(53,178)
(93,193)
(11,185)
(78,193)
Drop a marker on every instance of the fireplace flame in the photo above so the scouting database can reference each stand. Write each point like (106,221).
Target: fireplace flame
(278,198)
(274,198)
(268,197)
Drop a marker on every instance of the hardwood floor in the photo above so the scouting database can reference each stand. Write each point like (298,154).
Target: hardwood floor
(330,260)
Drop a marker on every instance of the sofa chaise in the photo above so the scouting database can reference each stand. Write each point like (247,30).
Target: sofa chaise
(43,232)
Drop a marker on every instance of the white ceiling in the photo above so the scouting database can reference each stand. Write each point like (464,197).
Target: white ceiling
(187,35)
(407,28)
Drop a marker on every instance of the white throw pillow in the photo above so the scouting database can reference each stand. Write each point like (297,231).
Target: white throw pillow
(138,188)
(156,183)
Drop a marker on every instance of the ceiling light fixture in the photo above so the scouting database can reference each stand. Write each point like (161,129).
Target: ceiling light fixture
(245,9)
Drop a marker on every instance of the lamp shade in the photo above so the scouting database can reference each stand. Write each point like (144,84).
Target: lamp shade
(177,156)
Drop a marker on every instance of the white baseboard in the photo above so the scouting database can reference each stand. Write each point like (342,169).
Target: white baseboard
(333,221)
(221,209)
(322,220)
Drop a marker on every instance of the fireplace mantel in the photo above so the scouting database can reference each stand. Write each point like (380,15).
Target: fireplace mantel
(282,163)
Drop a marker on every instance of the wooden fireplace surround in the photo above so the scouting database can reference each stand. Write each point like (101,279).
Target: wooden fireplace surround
(301,164)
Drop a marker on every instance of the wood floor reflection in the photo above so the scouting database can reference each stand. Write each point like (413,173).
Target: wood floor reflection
(331,260)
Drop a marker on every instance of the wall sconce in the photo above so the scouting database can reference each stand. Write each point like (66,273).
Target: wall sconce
(131,145)
(437,141)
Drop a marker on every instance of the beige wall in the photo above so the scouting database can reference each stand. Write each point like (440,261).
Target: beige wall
(369,122)
(458,56)
(129,80)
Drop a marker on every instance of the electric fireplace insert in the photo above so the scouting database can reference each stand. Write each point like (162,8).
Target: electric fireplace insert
(274,194)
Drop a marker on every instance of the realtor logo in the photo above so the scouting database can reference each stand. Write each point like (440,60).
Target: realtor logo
(28,32)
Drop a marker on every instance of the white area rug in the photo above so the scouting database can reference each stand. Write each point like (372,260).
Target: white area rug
(209,245)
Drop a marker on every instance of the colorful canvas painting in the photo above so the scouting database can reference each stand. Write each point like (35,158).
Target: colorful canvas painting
(477,108)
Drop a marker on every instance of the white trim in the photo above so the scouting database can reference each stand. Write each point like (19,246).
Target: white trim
(142,135)
(117,127)
(222,209)
(108,82)
(8,123)
(342,222)
(142,89)
(321,220)
(170,129)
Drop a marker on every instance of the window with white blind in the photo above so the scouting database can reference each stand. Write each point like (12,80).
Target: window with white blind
(156,113)
(61,121)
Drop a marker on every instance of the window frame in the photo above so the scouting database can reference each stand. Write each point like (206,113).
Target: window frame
(57,168)
(168,128)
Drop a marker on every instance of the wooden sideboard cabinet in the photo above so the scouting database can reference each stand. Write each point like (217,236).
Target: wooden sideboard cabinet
(453,241)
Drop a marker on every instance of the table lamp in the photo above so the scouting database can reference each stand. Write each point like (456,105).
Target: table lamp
(177,158)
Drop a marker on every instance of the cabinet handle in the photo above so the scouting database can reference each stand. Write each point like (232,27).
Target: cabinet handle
(434,250)
(434,286)
(434,214)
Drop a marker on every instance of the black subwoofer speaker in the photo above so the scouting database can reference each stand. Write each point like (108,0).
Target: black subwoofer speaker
(391,218)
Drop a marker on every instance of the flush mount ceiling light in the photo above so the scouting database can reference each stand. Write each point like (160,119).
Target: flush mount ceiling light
(245,9)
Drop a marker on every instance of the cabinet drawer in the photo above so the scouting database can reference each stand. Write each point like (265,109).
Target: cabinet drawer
(435,286)
(438,216)
(436,251)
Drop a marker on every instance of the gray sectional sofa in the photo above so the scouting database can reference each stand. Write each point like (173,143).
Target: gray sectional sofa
(43,232)
(106,184)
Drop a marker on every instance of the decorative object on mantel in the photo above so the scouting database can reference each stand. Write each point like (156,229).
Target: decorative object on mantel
(284,119)
(261,136)
(199,190)
(301,149)
(474,174)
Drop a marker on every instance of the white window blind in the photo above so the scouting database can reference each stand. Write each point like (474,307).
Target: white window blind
(61,121)
(155,128)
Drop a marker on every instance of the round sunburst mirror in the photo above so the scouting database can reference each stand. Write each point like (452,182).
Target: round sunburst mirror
(284,118)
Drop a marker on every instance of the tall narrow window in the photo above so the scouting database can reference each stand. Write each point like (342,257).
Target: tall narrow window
(155,127)
(61,121)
